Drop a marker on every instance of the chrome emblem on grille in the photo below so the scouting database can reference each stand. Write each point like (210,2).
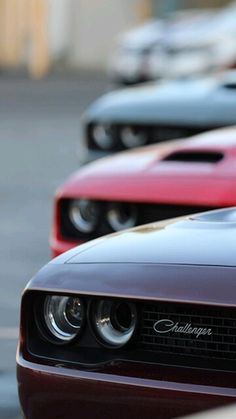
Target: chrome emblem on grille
(167,326)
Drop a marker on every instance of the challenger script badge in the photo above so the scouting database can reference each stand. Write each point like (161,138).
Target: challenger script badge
(168,326)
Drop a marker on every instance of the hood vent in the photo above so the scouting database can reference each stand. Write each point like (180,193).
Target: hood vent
(230,85)
(229,80)
(195,156)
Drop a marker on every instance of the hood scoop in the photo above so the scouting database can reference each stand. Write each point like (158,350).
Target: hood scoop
(229,81)
(193,156)
(230,85)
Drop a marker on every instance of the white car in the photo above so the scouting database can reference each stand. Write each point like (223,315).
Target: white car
(206,47)
(130,62)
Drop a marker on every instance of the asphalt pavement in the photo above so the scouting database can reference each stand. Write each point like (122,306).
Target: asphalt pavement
(39,135)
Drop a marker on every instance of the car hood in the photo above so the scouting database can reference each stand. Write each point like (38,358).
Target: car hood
(147,174)
(188,259)
(189,102)
(194,240)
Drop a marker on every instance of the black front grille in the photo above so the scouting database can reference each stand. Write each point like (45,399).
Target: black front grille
(216,351)
(155,134)
(177,336)
(146,213)
(167,133)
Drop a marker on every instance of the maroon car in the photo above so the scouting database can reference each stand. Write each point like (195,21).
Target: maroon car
(138,324)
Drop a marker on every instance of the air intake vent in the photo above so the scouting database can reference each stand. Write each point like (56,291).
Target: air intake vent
(230,85)
(195,157)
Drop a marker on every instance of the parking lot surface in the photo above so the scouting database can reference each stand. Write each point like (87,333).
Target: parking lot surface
(39,135)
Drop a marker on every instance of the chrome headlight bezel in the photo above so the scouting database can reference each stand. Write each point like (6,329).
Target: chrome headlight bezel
(56,324)
(115,213)
(133,136)
(79,210)
(103,136)
(111,327)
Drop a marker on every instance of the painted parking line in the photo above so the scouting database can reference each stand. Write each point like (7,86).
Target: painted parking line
(9,332)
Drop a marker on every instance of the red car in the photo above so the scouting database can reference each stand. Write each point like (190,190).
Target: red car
(145,185)
(139,324)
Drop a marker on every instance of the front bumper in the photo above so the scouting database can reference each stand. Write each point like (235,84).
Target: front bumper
(58,392)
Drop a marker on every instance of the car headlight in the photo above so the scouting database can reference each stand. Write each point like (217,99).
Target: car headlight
(63,316)
(133,136)
(121,216)
(114,322)
(84,215)
(103,136)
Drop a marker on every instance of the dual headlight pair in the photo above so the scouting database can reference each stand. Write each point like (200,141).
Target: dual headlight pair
(85,215)
(113,322)
(105,136)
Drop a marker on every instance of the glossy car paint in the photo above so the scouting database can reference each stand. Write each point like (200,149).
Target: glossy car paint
(183,102)
(203,104)
(143,175)
(185,260)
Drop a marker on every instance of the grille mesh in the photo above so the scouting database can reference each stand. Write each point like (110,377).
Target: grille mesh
(221,344)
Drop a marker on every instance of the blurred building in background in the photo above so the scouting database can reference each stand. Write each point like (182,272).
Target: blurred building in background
(40,34)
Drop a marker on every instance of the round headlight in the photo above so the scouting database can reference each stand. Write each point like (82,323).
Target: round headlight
(114,322)
(84,215)
(121,216)
(103,136)
(133,136)
(63,316)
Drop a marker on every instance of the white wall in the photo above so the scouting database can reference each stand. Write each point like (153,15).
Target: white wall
(94,27)
(59,27)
